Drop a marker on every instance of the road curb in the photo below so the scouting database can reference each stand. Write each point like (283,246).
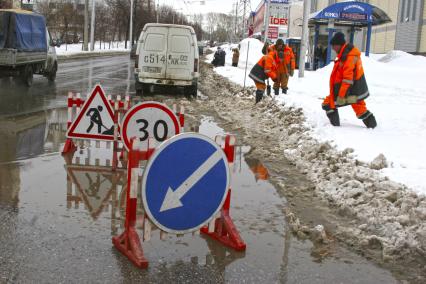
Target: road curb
(91,55)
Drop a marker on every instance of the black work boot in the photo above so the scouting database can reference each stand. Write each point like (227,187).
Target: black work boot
(370,121)
(276,91)
(259,95)
(268,90)
(284,90)
(333,116)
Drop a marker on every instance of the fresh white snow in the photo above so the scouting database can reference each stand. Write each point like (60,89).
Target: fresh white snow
(397,86)
(72,49)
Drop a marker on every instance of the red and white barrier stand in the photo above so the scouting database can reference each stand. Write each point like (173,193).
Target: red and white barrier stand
(120,107)
(223,228)
(74,100)
(180,115)
(128,243)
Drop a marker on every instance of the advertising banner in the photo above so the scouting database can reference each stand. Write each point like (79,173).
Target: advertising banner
(278,16)
(273,32)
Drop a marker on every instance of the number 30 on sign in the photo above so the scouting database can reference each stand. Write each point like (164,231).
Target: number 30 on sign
(149,120)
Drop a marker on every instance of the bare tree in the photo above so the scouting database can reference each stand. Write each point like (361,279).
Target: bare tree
(5,4)
(211,24)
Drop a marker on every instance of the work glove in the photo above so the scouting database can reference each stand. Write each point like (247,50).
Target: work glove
(351,100)
(291,72)
(340,101)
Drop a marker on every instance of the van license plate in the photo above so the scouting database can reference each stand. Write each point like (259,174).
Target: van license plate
(151,69)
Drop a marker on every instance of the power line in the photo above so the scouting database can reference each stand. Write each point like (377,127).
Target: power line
(244,10)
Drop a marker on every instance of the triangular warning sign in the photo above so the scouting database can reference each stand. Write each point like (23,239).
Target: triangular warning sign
(95,120)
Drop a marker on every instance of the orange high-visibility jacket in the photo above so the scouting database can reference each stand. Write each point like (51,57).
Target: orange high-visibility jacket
(289,59)
(347,78)
(289,62)
(265,68)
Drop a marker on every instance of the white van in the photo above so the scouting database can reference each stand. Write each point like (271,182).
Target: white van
(167,55)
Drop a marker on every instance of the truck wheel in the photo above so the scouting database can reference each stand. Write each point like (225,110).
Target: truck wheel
(27,75)
(138,88)
(52,75)
(191,90)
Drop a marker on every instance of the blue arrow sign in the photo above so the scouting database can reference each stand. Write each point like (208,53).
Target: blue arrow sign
(185,183)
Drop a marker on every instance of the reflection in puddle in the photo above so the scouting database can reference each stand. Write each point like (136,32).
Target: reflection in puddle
(259,170)
(97,189)
(76,210)
(32,134)
(23,137)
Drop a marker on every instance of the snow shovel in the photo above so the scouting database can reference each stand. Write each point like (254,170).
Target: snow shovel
(108,131)
(268,88)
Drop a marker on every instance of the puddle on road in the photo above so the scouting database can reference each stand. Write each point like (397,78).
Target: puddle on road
(58,221)
(74,75)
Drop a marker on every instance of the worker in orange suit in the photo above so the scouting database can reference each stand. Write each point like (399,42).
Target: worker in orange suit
(285,67)
(347,83)
(265,68)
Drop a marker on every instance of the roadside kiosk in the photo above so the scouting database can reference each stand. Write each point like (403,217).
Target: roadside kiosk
(347,17)
(294,43)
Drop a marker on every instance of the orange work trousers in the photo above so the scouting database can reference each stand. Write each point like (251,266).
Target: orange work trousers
(359,108)
(282,81)
(260,86)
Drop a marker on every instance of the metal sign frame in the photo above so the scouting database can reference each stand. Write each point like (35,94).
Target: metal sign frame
(151,161)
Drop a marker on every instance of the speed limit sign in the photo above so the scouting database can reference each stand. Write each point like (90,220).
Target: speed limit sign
(149,120)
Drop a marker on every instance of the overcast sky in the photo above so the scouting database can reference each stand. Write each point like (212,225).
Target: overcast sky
(194,7)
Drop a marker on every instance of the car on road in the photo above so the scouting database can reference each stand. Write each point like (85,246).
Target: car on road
(167,55)
(26,47)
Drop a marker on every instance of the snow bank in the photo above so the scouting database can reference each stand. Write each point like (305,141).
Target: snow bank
(72,49)
(254,48)
(398,99)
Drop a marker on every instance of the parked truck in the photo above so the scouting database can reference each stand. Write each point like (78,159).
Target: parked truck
(26,47)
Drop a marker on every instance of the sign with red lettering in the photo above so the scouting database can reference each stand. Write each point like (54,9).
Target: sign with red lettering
(278,21)
(273,32)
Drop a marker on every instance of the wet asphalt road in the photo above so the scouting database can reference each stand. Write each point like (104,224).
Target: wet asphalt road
(57,220)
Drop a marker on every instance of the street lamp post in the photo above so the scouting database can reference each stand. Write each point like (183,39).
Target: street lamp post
(305,38)
(158,10)
(131,24)
(86,26)
(92,27)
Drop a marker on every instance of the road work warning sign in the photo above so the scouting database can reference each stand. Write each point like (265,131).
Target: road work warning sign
(95,120)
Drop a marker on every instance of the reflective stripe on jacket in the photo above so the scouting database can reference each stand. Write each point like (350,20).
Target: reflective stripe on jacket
(347,79)
(265,68)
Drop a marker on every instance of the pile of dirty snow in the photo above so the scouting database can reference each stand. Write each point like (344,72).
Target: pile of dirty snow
(398,98)
(387,219)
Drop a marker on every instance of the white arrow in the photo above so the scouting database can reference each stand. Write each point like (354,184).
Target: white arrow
(172,199)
